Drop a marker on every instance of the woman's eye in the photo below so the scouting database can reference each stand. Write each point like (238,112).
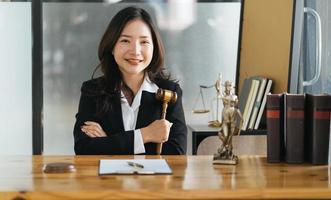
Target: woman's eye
(125,41)
(145,42)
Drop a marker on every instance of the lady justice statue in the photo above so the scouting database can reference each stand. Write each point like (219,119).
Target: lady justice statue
(231,124)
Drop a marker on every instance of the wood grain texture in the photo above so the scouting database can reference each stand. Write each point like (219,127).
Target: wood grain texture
(194,177)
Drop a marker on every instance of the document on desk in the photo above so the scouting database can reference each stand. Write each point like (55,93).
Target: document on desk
(133,166)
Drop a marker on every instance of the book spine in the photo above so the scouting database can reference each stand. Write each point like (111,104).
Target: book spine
(250,103)
(264,101)
(294,127)
(274,129)
(244,94)
(257,103)
(317,128)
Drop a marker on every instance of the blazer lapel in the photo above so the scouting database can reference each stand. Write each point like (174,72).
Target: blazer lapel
(149,110)
(115,118)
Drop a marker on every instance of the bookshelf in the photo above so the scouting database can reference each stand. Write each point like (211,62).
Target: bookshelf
(254,132)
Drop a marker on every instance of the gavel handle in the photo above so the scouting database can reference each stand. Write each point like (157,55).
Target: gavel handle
(164,110)
(163,116)
(158,148)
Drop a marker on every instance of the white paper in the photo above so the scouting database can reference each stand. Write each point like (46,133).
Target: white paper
(121,166)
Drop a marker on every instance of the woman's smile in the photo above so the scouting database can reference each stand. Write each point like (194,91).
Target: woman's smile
(134,61)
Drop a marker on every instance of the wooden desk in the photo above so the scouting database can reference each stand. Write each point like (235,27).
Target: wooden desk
(194,177)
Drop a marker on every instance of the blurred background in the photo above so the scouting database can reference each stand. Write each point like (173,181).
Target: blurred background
(201,41)
(48,48)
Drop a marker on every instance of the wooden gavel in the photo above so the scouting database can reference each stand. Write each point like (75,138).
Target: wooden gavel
(165,96)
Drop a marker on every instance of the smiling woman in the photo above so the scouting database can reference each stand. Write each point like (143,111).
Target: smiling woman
(200,40)
(134,50)
(118,112)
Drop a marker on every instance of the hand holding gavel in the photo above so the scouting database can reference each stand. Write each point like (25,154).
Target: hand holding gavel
(166,96)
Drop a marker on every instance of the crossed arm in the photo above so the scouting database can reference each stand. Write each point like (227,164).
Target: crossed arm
(97,136)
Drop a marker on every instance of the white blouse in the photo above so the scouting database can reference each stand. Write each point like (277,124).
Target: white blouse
(130,113)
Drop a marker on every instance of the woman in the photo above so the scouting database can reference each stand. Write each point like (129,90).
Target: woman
(118,112)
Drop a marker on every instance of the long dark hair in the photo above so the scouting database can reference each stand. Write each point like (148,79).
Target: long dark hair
(112,82)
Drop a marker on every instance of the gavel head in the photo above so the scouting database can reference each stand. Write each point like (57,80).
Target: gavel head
(166,95)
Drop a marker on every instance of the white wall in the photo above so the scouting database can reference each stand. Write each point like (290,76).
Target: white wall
(15,79)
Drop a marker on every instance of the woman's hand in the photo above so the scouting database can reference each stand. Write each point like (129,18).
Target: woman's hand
(157,131)
(93,129)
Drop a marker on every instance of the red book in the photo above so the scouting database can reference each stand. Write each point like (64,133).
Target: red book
(318,109)
(275,135)
(294,127)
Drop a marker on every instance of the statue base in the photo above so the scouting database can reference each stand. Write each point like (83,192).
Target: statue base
(229,161)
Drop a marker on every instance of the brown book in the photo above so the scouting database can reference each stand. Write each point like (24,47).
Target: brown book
(318,109)
(275,135)
(294,127)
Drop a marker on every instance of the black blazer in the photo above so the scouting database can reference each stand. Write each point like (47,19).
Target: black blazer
(119,141)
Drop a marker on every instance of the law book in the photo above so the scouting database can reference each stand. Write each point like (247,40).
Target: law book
(257,103)
(251,84)
(249,103)
(294,127)
(318,109)
(275,124)
(244,94)
(245,91)
(263,103)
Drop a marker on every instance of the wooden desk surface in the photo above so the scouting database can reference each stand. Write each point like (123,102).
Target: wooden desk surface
(194,177)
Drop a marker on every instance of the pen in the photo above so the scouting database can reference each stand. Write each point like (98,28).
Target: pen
(133,164)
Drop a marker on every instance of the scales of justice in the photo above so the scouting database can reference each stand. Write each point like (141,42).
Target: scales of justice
(230,122)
